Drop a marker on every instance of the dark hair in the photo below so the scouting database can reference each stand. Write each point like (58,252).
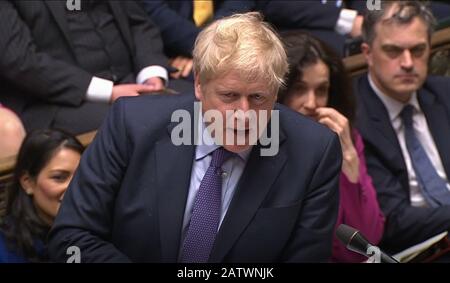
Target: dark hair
(304,50)
(405,12)
(22,226)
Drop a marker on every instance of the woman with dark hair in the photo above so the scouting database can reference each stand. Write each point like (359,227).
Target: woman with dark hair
(318,87)
(45,165)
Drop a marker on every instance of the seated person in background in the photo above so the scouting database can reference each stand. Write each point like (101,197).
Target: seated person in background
(440,9)
(11,133)
(404,119)
(61,67)
(328,20)
(217,199)
(181,21)
(45,165)
(318,87)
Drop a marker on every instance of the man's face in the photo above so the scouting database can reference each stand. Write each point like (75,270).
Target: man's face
(230,93)
(398,58)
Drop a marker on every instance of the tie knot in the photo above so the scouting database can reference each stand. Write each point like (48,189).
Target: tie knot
(406,115)
(219,156)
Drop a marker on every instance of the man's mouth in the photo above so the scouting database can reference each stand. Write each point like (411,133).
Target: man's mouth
(407,76)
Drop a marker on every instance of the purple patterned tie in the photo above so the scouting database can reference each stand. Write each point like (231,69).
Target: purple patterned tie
(206,212)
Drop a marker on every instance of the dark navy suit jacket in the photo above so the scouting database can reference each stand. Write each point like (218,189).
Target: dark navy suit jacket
(174,19)
(317,17)
(126,201)
(8,256)
(406,225)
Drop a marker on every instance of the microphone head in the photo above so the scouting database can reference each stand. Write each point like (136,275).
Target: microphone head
(352,239)
(345,233)
(356,242)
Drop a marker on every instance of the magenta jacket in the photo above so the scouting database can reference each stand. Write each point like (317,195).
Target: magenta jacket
(358,207)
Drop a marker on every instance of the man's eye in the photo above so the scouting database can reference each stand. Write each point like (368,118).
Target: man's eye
(258,98)
(418,51)
(393,52)
(229,95)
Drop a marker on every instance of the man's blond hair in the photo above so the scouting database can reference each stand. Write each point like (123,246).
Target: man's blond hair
(242,43)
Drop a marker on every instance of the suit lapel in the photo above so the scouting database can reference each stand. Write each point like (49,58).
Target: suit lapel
(378,113)
(379,117)
(256,181)
(58,10)
(437,116)
(173,166)
(122,23)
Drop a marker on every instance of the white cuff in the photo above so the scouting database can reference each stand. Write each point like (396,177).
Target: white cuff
(152,71)
(338,3)
(99,90)
(345,22)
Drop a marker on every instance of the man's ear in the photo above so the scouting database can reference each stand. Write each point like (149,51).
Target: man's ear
(367,52)
(27,184)
(198,88)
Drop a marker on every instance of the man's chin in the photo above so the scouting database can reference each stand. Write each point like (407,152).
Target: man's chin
(408,85)
(237,148)
(407,89)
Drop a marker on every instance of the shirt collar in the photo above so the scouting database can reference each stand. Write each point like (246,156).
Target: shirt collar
(393,106)
(206,145)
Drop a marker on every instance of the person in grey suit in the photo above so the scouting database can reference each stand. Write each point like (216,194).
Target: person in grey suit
(61,67)
(404,118)
(140,196)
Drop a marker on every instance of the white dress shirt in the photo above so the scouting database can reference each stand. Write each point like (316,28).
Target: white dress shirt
(423,134)
(346,18)
(345,21)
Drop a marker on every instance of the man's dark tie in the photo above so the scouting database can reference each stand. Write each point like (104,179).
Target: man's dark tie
(434,187)
(206,212)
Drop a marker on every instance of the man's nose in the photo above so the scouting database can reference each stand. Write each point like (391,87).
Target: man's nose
(244,105)
(407,60)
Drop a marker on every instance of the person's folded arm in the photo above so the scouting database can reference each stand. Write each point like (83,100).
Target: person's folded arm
(179,33)
(34,70)
(147,43)
(300,14)
(359,203)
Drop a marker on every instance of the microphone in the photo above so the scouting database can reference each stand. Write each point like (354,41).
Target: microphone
(355,241)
